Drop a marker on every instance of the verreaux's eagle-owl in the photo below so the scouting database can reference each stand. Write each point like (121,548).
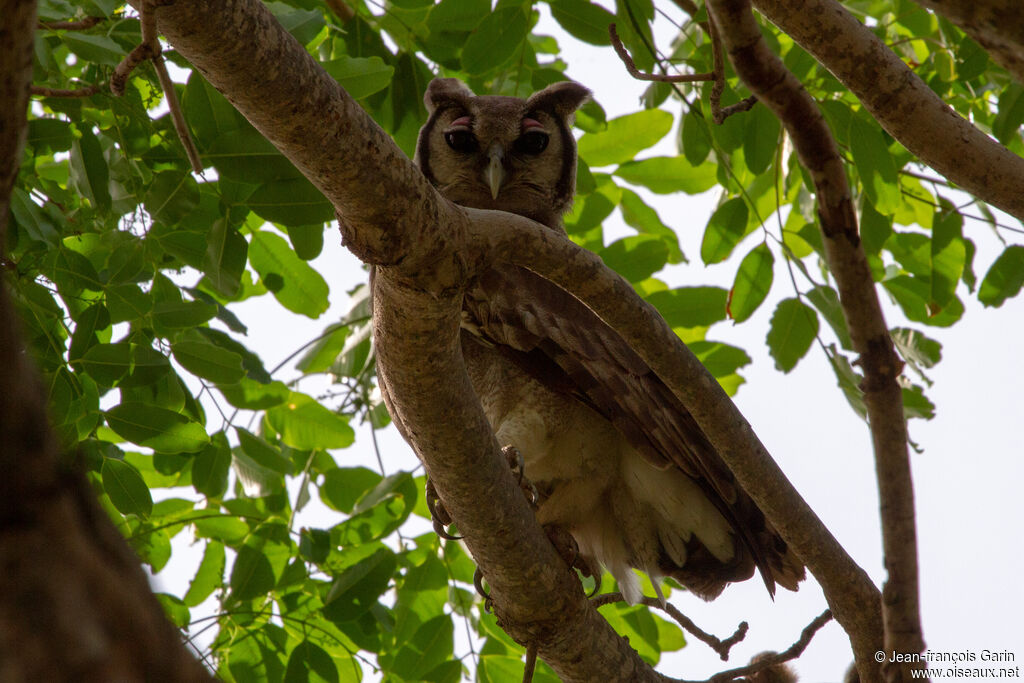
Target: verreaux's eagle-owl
(618,461)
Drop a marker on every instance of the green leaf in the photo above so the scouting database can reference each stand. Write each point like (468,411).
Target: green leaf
(50,135)
(127,302)
(913,293)
(760,139)
(1007,122)
(1004,278)
(917,350)
(209,576)
(162,430)
(457,15)
(360,77)
(874,163)
(429,647)
(635,258)
(89,173)
(752,284)
(251,575)
(226,255)
(793,329)
(88,324)
(94,48)
(916,404)
(305,424)
(696,139)
(826,300)
(263,453)
(291,201)
(666,175)
(210,467)
(297,285)
(495,40)
(357,589)
(208,361)
(690,306)
(182,315)
(726,227)
(177,612)
(625,137)
(107,363)
(320,355)
(127,491)
(343,486)
(583,20)
(720,359)
(645,219)
(307,240)
(172,196)
(309,662)
(380,511)
(948,256)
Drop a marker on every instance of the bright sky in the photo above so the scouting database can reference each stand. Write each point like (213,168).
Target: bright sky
(967,479)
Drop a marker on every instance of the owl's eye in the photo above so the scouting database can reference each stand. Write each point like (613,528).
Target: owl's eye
(533,142)
(461,141)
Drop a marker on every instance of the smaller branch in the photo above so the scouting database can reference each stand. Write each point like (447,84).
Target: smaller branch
(767,661)
(722,647)
(719,113)
(80,25)
(151,49)
(342,10)
(531,663)
(630,65)
(42,91)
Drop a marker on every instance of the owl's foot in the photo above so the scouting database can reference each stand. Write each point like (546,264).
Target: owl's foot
(518,467)
(478,583)
(569,551)
(439,516)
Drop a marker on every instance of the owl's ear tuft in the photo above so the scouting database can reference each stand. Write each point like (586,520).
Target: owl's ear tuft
(445,90)
(562,98)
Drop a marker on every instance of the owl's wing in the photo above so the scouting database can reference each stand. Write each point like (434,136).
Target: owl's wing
(563,344)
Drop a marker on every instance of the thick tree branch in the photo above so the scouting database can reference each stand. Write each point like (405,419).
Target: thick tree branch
(997,25)
(766,76)
(901,102)
(76,605)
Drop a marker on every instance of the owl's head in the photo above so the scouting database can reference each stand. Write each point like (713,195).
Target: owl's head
(506,153)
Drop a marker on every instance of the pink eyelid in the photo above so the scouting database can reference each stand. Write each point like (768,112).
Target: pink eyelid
(532,123)
(461,121)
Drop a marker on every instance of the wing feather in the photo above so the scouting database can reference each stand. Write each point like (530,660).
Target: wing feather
(562,342)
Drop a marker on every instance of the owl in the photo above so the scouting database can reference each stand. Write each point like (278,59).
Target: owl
(617,461)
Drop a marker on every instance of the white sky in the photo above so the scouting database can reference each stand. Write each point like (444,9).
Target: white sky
(970,510)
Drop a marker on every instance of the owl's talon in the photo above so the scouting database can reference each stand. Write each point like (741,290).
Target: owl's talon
(439,516)
(478,583)
(516,463)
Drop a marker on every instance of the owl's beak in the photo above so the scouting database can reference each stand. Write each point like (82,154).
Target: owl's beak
(495,173)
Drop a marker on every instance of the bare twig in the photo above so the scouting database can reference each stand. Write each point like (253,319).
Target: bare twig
(531,663)
(43,91)
(151,49)
(766,75)
(630,65)
(770,660)
(80,25)
(722,647)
